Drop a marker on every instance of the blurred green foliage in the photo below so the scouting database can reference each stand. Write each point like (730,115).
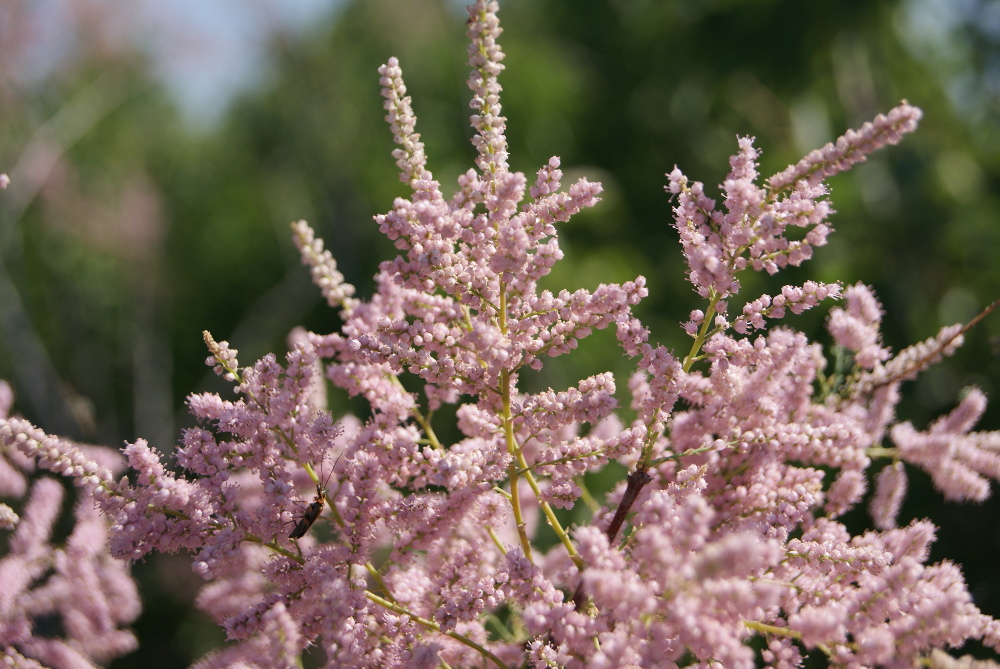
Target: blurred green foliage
(126,233)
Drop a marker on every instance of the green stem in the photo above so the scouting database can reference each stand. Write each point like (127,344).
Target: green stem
(550,515)
(377,577)
(512,469)
(702,335)
(496,540)
(764,628)
(881,452)
(559,461)
(507,420)
(254,539)
(422,420)
(433,626)
(678,456)
(646,457)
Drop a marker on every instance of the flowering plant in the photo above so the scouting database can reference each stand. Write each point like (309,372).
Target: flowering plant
(722,547)
(48,580)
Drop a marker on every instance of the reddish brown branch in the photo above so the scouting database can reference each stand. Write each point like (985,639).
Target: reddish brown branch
(636,481)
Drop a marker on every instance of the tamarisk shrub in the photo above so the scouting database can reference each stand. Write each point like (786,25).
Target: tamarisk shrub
(721,548)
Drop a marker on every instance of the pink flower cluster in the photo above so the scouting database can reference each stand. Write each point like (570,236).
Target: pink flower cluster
(427,534)
(50,583)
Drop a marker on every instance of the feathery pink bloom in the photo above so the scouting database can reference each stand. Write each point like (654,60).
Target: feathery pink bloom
(890,489)
(851,148)
(72,579)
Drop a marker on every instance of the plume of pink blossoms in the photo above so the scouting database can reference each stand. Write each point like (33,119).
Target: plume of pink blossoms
(379,543)
(64,601)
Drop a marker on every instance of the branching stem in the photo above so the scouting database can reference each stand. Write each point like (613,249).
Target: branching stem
(433,626)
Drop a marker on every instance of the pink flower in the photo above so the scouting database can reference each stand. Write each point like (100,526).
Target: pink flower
(958,461)
(890,489)
(72,579)
(850,148)
(856,327)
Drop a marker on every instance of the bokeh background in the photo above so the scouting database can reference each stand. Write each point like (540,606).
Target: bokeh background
(158,151)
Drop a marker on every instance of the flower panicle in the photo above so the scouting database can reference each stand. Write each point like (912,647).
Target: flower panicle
(223,359)
(338,293)
(961,463)
(47,574)
(851,148)
(750,230)
(792,298)
(55,454)
(389,541)
(486,61)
